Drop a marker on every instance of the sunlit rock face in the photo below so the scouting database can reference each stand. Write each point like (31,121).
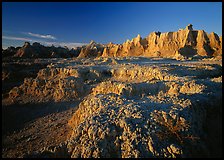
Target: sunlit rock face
(187,42)
(91,50)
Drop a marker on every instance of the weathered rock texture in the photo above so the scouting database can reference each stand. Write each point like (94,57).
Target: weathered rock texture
(132,107)
(50,84)
(147,111)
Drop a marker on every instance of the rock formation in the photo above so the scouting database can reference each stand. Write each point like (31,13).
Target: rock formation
(215,43)
(146,114)
(55,84)
(186,42)
(135,47)
(93,50)
(28,51)
(130,107)
(181,44)
(126,101)
(36,50)
(9,52)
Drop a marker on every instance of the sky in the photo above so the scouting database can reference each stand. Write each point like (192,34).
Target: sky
(76,23)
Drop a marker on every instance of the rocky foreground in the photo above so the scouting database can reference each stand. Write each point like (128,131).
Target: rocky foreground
(114,107)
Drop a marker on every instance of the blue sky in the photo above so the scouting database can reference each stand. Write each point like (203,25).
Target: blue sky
(73,23)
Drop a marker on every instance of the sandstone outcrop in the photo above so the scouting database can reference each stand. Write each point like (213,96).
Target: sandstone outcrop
(135,47)
(185,42)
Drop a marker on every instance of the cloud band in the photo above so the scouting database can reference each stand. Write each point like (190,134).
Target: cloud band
(62,44)
(42,36)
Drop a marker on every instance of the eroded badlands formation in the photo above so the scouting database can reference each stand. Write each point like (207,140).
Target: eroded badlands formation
(160,96)
(181,44)
(131,107)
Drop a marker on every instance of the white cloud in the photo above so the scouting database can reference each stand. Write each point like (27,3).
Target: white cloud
(42,36)
(16,38)
(62,44)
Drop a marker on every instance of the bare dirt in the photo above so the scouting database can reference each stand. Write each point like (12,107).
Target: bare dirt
(30,128)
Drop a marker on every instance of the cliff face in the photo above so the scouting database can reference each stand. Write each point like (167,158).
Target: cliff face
(215,43)
(186,42)
(135,47)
